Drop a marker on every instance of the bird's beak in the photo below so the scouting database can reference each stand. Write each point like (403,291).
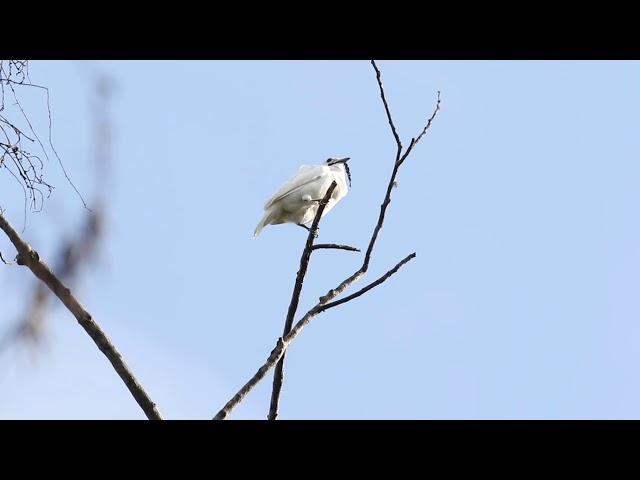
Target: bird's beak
(343,160)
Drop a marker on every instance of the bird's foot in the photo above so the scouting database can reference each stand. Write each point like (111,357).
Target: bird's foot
(315,235)
(307,198)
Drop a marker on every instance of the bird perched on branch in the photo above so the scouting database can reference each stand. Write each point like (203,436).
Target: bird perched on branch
(297,200)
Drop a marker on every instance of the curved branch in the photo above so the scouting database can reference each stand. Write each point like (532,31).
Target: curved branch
(4,261)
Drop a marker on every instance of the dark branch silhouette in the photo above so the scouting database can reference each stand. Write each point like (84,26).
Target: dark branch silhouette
(324,303)
(17,75)
(320,246)
(295,297)
(283,342)
(386,106)
(4,261)
(22,164)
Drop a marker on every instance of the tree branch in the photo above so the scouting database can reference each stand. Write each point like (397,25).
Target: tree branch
(323,303)
(363,290)
(83,247)
(319,246)
(415,141)
(4,261)
(386,106)
(295,299)
(283,342)
(30,258)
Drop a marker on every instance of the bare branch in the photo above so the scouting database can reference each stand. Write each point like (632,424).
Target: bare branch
(392,181)
(323,303)
(364,290)
(295,299)
(431,118)
(29,257)
(11,84)
(386,108)
(83,247)
(283,342)
(4,261)
(383,208)
(415,141)
(320,246)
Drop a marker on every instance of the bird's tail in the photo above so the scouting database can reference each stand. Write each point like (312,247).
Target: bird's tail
(263,223)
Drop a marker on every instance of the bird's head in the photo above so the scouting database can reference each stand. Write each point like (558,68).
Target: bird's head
(343,161)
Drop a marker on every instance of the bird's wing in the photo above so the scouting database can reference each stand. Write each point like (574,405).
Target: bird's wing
(306,175)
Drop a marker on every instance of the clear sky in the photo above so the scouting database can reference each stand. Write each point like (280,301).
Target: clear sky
(521,203)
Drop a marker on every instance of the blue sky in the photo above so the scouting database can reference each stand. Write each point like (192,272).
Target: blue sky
(520,203)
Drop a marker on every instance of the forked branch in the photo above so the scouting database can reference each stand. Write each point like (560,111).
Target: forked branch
(283,342)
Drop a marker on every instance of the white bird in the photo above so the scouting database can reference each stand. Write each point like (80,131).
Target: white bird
(297,200)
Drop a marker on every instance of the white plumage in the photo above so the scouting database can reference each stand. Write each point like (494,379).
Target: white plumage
(298,199)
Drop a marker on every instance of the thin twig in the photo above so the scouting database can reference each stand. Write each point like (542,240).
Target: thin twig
(28,167)
(364,290)
(431,118)
(386,106)
(319,246)
(29,257)
(392,180)
(414,141)
(295,299)
(4,261)
(64,171)
(283,342)
(83,247)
